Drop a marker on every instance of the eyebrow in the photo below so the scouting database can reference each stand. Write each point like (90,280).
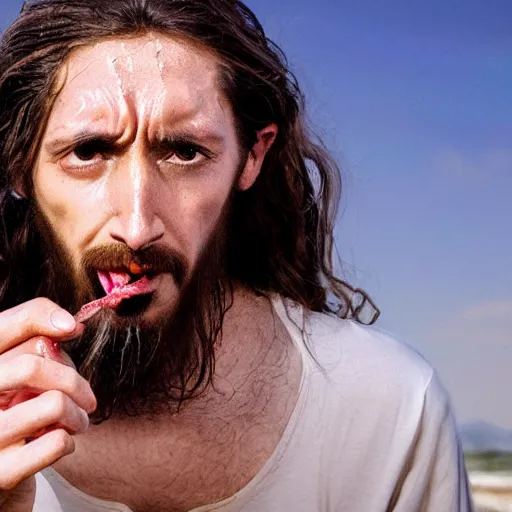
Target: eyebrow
(55,146)
(203,137)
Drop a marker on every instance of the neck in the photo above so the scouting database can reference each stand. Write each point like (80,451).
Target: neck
(253,340)
(221,438)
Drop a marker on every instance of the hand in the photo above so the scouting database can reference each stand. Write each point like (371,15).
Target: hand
(43,399)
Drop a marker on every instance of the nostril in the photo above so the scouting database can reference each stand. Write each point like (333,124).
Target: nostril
(118,238)
(135,243)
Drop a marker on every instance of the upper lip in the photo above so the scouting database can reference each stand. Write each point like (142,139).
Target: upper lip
(145,270)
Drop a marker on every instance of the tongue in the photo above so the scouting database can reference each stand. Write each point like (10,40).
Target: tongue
(113,280)
(117,288)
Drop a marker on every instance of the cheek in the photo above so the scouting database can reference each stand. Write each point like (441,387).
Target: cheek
(200,211)
(69,209)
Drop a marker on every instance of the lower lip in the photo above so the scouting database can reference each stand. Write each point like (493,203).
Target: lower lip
(134,307)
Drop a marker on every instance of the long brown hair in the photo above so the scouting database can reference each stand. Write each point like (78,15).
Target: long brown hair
(280,237)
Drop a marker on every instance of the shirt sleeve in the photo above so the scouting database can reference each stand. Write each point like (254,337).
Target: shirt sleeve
(435,478)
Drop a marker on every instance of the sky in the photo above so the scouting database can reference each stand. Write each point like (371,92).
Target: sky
(415,101)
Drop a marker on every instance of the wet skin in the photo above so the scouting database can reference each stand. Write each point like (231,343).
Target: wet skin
(141,148)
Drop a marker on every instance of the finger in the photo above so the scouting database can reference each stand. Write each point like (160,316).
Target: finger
(36,317)
(38,374)
(29,418)
(19,462)
(53,350)
(40,346)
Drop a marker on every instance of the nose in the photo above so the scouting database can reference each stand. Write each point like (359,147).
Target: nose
(134,197)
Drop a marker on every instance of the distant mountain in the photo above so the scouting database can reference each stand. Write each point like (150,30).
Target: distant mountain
(481,436)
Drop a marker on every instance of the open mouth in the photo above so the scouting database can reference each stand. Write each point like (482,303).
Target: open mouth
(130,285)
(127,291)
(134,306)
(115,280)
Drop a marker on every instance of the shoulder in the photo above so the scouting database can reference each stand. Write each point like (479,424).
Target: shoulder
(387,413)
(366,349)
(343,347)
(352,365)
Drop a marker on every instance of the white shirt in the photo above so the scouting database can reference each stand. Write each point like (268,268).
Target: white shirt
(372,430)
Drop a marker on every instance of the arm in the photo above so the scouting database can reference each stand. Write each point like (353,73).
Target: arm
(435,478)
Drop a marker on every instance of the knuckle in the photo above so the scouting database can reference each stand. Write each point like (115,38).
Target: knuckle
(8,480)
(69,379)
(74,385)
(29,366)
(29,312)
(7,425)
(22,314)
(62,442)
(41,303)
(57,403)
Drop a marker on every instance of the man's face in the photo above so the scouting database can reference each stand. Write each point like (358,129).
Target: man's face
(136,170)
(140,151)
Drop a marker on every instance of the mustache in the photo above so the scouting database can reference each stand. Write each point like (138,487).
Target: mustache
(154,259)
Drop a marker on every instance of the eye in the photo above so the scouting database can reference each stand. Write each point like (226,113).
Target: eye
(185,153)
(88,150)
(86,154)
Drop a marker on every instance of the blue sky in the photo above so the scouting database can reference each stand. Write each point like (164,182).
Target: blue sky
(414,99)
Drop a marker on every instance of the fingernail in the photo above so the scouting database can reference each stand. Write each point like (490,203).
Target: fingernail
(62,320)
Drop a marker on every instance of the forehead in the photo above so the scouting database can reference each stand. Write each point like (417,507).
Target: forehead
(147,75)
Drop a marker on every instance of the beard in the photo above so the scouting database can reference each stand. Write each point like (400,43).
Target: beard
(137,368)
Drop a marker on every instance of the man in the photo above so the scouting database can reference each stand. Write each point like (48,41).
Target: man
(159,183)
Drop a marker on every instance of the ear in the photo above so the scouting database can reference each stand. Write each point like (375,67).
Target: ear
(264,140)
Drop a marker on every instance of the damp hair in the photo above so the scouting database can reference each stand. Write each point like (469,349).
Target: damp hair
(280,238)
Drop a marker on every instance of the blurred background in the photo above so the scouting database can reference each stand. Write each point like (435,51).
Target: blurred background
(415,101)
